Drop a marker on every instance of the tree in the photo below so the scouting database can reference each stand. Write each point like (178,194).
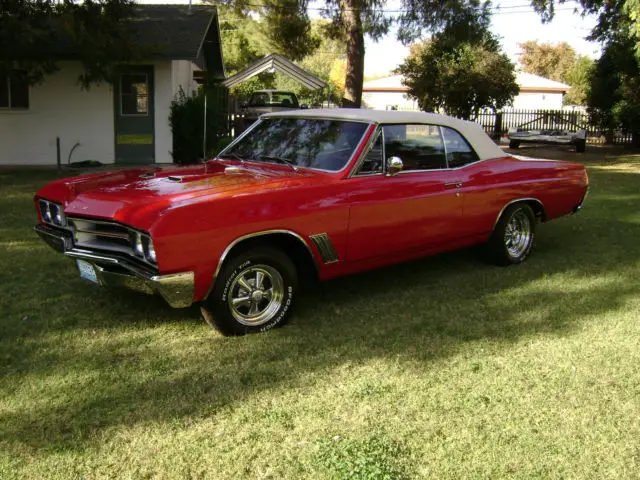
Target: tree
(547,60)
(351,20)
(36,34)
(560,63)
(460,70)
(245,39)
(614,94)
(579,77)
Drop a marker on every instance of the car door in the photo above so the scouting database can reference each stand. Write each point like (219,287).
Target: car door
(418,208)
(482,186)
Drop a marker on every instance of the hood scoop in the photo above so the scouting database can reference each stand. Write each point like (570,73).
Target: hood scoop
(146,175)
(173,178)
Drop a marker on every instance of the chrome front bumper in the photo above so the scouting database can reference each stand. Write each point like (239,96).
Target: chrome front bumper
(116,270)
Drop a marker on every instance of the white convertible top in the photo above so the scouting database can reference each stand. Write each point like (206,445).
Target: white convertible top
(474,133)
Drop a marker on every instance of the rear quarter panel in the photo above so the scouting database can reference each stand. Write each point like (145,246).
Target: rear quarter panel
(492,184)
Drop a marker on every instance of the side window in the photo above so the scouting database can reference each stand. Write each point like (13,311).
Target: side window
(373,162)
(459,152)
(419,147)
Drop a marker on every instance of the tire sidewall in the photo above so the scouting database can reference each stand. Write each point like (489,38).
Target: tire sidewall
(218,300)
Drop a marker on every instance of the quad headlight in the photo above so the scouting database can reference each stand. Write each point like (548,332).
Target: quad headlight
(52,213)
(143,247)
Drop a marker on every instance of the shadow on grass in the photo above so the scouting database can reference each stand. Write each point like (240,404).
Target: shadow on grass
(122,358)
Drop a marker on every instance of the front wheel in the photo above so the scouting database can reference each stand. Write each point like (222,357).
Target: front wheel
(513,236)
(514,144)
(254,292)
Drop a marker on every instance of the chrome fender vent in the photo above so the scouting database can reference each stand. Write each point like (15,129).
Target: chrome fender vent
(325,247)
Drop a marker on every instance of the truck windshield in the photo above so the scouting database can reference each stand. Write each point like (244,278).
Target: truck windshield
(273,99)
(313,143)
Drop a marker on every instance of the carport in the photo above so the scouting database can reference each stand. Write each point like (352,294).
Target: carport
(276,63)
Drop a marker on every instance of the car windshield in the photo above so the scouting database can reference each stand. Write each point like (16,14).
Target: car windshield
(273,99)
(314,143)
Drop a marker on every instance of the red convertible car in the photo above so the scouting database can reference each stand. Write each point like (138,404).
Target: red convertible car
(299,195)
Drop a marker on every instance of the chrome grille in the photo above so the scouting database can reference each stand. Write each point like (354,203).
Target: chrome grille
(101,235)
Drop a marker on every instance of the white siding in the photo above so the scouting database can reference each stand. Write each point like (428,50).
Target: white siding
(163,96)
(386,100)
(538,100)
(60,108)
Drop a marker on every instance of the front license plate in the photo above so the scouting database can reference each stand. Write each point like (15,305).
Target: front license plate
(87,271)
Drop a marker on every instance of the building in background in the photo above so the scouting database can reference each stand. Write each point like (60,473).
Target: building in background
(126,122)
(536,92)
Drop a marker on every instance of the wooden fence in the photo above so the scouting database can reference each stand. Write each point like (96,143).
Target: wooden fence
(497,124)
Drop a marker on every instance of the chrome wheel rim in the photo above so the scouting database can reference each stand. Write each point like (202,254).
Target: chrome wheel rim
(256,295)
(517,235)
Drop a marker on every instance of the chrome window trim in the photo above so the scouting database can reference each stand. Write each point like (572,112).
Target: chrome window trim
(260,120)
(523,199)
(444,147)
(372,140)
(440,127)
(466,141)
(382,125)
(248,236)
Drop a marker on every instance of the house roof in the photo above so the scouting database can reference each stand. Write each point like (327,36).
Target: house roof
(280,64)
(386,84)
(528,82)
(174,32)
(167,32)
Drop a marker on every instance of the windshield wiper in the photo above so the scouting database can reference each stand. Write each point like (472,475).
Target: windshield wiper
(282,160)
(234,156)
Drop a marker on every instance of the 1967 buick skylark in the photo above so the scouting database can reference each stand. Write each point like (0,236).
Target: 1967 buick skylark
(303,194)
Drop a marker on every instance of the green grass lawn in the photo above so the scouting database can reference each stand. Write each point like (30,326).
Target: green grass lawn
(441,368)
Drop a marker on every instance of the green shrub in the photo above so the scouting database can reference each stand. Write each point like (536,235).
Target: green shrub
(186,119)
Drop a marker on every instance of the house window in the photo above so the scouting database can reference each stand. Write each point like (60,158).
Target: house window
(14,92)
(134,94)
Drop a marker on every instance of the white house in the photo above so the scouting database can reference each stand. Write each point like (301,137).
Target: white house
(126,122)
(535,93)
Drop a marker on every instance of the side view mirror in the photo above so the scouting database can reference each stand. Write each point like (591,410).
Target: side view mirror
(304,106)
(394,166)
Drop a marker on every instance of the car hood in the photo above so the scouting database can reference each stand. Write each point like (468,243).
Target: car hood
(136,196)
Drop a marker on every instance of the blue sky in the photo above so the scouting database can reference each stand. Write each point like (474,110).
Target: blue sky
(513,21)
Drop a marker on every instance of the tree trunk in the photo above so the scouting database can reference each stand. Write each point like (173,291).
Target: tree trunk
(355,52)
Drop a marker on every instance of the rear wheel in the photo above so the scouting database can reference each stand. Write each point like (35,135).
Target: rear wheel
(514,144)
(254,292)
(581,146)
(512,239)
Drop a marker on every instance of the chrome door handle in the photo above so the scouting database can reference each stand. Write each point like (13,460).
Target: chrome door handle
(453,184)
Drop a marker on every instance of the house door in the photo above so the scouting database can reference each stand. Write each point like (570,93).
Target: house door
(133,109)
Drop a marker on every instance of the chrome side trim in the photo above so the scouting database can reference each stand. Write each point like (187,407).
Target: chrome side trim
(325,247)
(226,251)
(525,199)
